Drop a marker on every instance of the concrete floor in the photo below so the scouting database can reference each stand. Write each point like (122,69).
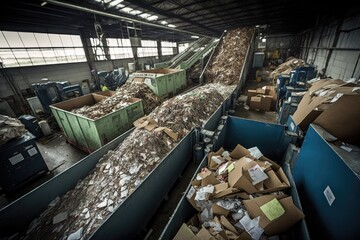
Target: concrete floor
(58,156)
(243,112)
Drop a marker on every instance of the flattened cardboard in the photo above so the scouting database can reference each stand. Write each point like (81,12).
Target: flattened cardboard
(273,181)
(185,233)
(239,152)
(306,112)
(230,235)
(228,225)
(226,192)
(204,234)
(244,236)
(194,221)
(208,177)
(221,187)
(341,119)
(217,153)
(168,132)
(218,210)
(283,223)
(171,134)
(145,122)
(277,181)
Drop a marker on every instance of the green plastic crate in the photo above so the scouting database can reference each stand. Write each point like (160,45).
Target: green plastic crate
(88,134)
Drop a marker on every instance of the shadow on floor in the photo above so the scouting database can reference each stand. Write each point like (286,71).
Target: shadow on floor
(58,156)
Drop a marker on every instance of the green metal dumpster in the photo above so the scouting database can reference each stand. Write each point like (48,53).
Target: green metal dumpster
(163,81)
(88,134)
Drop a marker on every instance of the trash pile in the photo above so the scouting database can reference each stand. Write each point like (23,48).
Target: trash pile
(105,106)
(123,97)
(140,90)
(193,73)
(82,210)
(227,63)
(10,128)
(286,67)
(239,195)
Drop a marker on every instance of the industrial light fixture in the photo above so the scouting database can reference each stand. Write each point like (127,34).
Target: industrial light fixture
(263,40)
(194,36)
(115,2)
(172,26)
(43,4)
(164,22)
(153,18)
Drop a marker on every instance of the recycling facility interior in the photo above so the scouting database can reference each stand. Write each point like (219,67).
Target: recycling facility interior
(185,119)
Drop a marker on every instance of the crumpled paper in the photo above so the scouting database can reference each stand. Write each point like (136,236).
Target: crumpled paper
(122,98)
(120,171)
(287,67)
(226,64)
(10,128)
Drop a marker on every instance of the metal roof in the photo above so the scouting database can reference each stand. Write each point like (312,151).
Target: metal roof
(200,17)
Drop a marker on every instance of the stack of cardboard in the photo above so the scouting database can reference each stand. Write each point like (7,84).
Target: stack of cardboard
(333,105)
(239,196)
(263,99)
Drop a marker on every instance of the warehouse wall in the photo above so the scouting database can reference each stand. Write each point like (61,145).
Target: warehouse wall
(286,44)
(334,47)
(72,72)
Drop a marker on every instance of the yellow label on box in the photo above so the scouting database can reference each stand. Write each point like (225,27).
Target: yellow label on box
(231,167)
(272,209)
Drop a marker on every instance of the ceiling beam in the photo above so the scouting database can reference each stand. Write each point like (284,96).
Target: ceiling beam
(169,14)
(116,16)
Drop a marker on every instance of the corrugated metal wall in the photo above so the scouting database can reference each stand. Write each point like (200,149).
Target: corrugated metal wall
(334,47)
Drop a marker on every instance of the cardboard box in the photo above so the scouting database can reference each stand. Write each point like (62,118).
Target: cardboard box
(342,119)
(281,224)
(237,177)
(185,233)
(266,103)
(211,154)
(338,117)
(250,93)
(255,102)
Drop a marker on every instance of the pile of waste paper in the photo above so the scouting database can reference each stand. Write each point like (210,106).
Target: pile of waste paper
(123,97)
(286,67)
(227,62)
(78,213)
(10,128)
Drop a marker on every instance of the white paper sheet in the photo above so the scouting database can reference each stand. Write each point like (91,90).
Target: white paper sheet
(257,174)
(255,152)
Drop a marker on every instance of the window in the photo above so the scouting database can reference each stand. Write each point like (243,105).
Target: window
(148,49)
(183,46)
(167,48)
(28,49)
(119,48)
